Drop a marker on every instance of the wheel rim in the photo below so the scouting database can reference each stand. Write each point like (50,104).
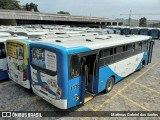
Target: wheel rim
(110,84)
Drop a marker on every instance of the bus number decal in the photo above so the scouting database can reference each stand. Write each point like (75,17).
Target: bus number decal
(75,86)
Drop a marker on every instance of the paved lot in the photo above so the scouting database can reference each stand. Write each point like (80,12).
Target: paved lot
(138,92)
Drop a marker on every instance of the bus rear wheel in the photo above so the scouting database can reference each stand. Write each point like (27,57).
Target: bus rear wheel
(142,65)
(109,85)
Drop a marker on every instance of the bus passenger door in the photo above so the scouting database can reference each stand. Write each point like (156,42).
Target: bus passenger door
(83,77)
(89,77)
(150,49)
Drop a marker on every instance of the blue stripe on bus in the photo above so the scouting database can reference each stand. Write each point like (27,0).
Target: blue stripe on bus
(104,74)
(3,75)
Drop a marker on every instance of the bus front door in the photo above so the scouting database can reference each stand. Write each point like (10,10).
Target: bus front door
(89,77)
(150,49)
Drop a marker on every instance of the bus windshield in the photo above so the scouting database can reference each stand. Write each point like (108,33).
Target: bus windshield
(2,51)
(43,59)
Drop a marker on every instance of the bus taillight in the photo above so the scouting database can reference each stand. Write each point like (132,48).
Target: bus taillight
(24,75)
(59,92)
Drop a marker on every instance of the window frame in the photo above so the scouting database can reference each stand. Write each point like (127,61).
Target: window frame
(70,66)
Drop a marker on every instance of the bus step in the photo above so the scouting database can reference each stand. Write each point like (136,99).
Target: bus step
(91,94)
(88,97)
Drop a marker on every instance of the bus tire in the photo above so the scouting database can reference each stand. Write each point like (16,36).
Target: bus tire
(141,66)
(109,85)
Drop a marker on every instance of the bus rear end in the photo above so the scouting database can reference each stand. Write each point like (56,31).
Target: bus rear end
(3,62)
(135,31)
(144,32)
(17,59)
(154,33)
(48,74)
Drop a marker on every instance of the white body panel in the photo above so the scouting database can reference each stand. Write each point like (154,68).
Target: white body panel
(62,104)
(37,89)
(16,75)
(127,66)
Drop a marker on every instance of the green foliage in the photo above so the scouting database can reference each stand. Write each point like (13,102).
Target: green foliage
(142,22)
(157,25)
(31,6)
(62,12)
(9,4)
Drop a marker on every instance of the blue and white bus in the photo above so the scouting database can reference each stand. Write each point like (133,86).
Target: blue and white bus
(134,31)
(154,33)
(144,31)
(125,31)
(67,73)
(3,60)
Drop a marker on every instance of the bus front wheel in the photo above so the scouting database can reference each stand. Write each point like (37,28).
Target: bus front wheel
(109,85)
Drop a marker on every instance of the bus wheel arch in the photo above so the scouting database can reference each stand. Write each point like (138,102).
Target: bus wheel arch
(142,64)
(109,84)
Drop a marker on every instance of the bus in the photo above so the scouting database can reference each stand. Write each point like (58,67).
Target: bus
(134,31)
(3,60)
(116,31)
(69,73)
(18,55)
(144,31)
(154,33)
(125,31)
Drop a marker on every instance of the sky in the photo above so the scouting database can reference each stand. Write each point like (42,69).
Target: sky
(101,8)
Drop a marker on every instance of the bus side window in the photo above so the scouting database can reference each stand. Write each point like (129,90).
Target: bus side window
(106,56)
(129,47)
(120,49)
(101,53)
(115,50)
(74,66)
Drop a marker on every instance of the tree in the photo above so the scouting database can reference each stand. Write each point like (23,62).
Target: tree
(10,5)
(31,6)
(157,25)
(62,12)
(142,22)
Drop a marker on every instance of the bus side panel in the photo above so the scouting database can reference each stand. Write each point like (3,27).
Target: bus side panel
(119,69)
(104,74)
(74,92)
(18,62)
(143,58)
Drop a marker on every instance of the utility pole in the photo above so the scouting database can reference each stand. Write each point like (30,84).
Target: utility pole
(129,19)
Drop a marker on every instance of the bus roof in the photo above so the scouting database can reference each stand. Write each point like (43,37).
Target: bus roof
(4,34)
(95,42)
(3,39)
